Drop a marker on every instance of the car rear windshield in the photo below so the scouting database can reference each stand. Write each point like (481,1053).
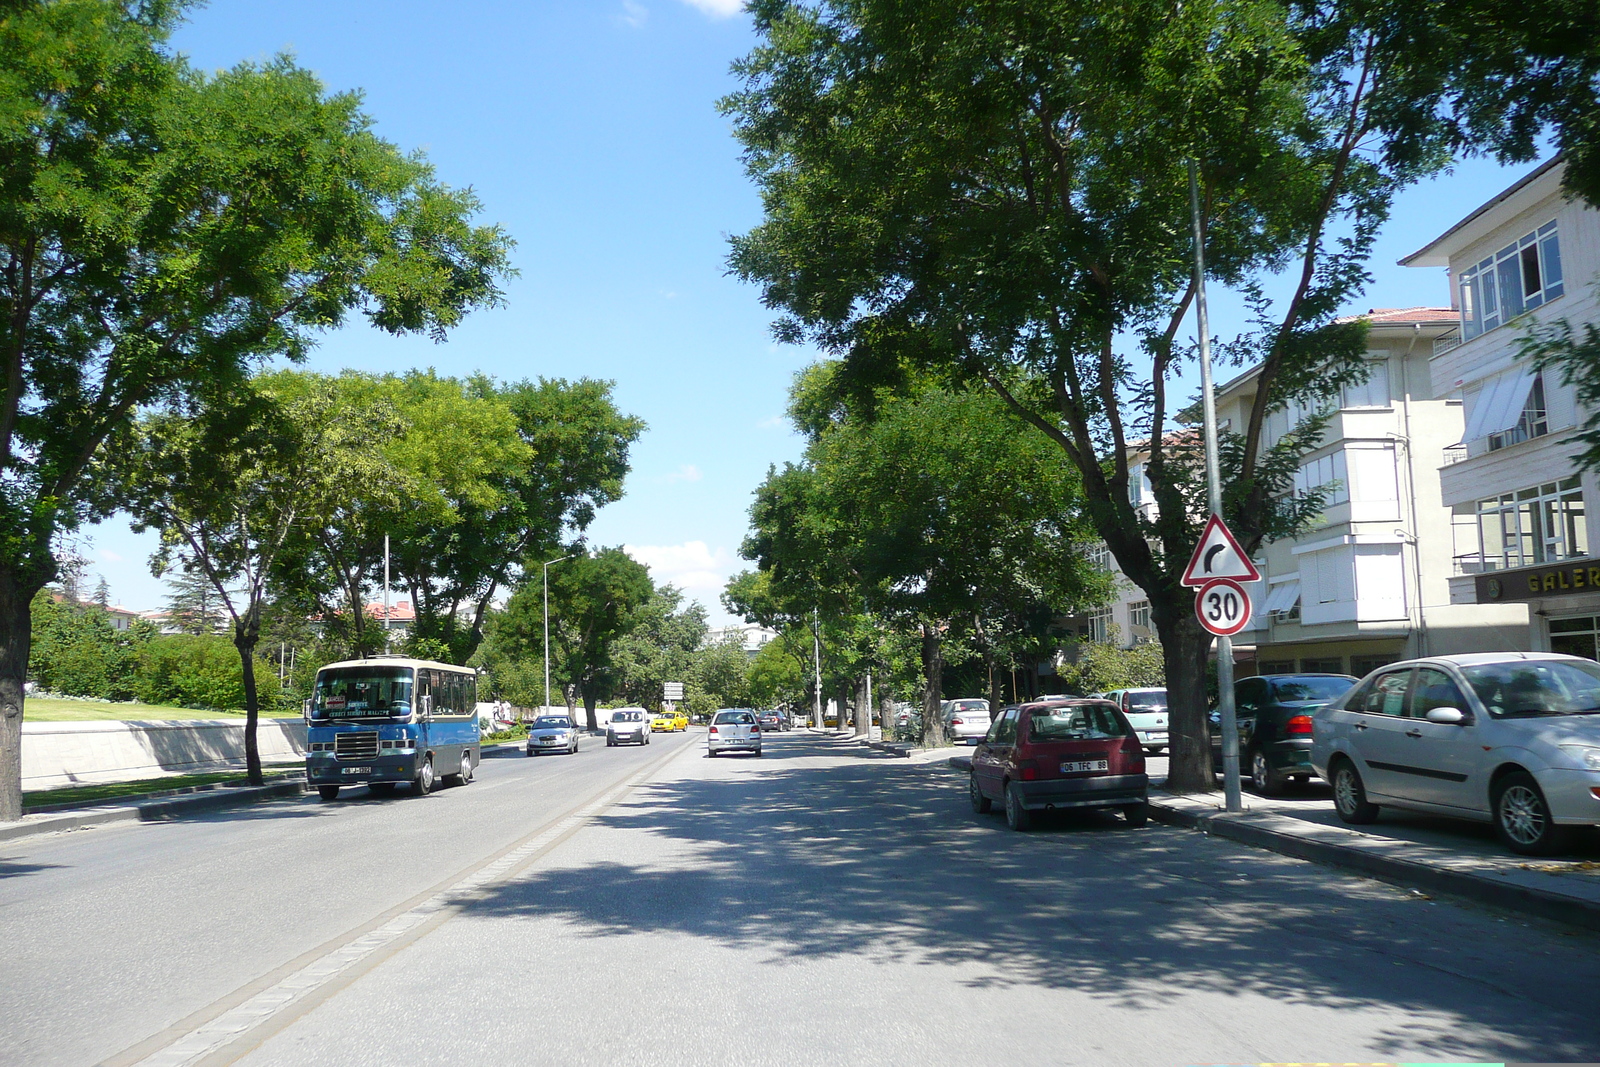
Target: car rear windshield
(1152,700)
(969,707)
(1092,722)
(1529,688)
(734,718)
(551,723)
(1292,690)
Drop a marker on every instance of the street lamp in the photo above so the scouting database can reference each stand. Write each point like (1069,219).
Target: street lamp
(546,572)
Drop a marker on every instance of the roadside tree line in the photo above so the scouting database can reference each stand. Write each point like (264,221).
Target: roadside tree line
(998,196)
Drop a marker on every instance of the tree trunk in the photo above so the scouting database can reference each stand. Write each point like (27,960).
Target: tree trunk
(932,686)
(590,700)
(886,716)
(842,698)
(16,635)
(863,717)
(995,702)
(244,639)
(1184,648)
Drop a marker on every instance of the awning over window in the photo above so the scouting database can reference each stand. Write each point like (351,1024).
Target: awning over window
(1498,407)
(1282,597)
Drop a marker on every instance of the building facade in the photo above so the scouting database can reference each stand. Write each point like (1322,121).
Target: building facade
(1523,536)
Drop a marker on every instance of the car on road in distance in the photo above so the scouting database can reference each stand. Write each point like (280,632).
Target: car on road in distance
(680,720)
(1058,755)
(630,726)
(733,730)
(552,733)
(1146,709)
(663,722)
(966,721)
(770,719)
(1508,738)
(1274,714)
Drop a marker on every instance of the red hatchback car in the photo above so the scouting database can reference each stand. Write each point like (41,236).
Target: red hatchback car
(1060,754)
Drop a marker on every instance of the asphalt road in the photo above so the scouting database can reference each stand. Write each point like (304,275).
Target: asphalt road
(820,905)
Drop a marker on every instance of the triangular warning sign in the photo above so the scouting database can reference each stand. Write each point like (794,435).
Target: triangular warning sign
(1218,555)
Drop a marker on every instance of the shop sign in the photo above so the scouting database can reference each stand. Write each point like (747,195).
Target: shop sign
(1535,583)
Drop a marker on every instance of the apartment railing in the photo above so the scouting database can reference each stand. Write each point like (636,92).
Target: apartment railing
(1453,454)
(1441,345)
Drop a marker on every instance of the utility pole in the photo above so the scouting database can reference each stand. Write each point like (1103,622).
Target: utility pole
(1208,403)
(816,652)
(385,592)
(545,571)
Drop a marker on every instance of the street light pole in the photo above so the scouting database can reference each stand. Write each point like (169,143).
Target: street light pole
(1208,405)
(545,571)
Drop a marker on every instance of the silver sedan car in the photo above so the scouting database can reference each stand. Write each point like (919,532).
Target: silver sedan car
(552,733)
(1509,738)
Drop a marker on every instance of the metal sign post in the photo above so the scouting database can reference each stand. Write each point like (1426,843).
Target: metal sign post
(1208,398)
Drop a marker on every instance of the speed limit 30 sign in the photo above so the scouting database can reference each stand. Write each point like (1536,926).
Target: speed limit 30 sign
(1223,607)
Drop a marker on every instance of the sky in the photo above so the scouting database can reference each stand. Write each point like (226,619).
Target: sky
(589,130)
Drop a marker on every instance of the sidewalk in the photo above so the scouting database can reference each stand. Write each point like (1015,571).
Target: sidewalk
(153,808)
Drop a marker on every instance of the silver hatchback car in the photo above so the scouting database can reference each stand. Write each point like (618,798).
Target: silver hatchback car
(1510,738)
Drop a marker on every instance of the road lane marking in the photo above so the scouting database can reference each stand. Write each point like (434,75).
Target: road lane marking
(209,1033)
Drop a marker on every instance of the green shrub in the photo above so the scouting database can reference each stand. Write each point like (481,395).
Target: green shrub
(78,652)
(199,672)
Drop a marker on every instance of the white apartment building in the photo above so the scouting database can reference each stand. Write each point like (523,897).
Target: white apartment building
(1370,582)
(1522,534)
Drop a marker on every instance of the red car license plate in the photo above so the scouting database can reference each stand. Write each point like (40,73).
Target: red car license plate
(1073,766)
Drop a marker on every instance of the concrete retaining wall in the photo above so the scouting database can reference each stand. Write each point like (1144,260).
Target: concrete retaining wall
(78,753)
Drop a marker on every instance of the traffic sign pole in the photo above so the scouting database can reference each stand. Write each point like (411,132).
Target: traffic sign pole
(1208,397)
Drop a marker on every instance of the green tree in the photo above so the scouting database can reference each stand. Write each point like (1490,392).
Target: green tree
(1036,237)
(77,651)
(933,513)
(192,604)
(662,646)
(1101,666)
(595,599)
(160,230)
(227,486)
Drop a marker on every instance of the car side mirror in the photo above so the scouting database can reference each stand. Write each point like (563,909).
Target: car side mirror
(1452,716)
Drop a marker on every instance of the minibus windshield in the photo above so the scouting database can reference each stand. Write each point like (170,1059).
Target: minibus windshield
(362,692)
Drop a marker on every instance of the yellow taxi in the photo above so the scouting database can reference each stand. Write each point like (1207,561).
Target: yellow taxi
(662,721)
(681,720)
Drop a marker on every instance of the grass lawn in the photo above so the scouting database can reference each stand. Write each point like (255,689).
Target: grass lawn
(48,709)
(95,794)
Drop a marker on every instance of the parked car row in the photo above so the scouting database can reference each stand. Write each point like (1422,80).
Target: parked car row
(1507,738)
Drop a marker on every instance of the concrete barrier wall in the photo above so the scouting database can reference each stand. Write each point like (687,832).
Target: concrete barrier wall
(80,753)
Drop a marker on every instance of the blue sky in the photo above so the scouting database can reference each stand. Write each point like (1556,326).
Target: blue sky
(589,130)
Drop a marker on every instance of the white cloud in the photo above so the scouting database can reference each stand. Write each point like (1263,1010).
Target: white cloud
(633,14)
(693,566)
(718,9)
(686,473)
(771,424)
(109,556)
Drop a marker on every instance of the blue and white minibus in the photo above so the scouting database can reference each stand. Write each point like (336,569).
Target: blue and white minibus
(388,720)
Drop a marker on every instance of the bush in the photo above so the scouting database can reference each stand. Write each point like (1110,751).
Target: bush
(1100,667)
(78,652)
(198,672)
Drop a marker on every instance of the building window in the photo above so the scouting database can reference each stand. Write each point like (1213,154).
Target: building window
(1518,278)
(1325,665)
(1372,393)
(1576,637)
(1100,627)
(1278,667)
(1139,616)
(1324,471)
(1532,423)
(1544,524)
(1361,666)
(1138,485)
(1098,555)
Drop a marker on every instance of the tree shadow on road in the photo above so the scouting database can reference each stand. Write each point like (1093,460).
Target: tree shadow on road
(805,856)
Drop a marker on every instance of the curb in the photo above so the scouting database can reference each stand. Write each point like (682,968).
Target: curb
(894,748)
(154,811)
(1405,873)
(961,763)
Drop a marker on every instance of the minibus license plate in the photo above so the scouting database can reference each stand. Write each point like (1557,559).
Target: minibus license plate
(357,770)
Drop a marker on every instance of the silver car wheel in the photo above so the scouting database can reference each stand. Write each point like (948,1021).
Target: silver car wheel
(1522,815)
(1344,791)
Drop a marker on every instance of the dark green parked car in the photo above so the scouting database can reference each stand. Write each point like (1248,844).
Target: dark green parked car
(1274,713)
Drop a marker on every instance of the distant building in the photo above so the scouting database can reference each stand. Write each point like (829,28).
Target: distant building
(752,636)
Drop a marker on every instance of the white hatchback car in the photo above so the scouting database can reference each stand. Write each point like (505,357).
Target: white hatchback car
(1146,710)
(629,726)
(1510,738)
